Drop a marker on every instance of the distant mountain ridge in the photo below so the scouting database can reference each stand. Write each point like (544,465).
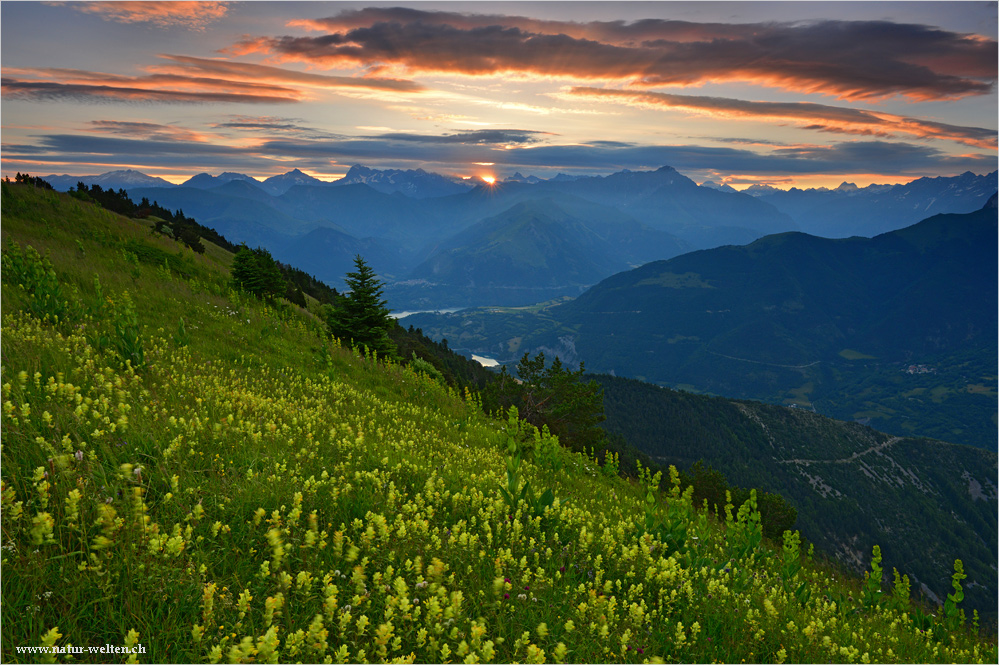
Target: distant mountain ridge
(789,317)
(663,199)
(898,330)
(208,181)
(123,179)
(540,249)
(404,217)
(418,183)
(722,187)
(868,211)
(373,206)
(279,184)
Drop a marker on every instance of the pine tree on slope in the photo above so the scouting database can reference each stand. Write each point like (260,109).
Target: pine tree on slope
(361,317)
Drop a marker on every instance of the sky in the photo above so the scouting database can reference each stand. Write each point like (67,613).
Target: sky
(804,94)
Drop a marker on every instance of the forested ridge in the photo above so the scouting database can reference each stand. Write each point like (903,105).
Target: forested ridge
(852,486)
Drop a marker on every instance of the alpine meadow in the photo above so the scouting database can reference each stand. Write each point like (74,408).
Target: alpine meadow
(211,475)
(553,331)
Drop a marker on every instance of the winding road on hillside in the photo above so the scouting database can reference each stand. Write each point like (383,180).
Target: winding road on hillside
(761,362)
(846,460)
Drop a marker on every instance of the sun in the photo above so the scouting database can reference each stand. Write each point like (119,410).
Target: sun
(488,179)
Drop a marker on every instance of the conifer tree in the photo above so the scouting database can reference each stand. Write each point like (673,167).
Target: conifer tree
(552,395)
(559,397)
(256,271)
(361,317)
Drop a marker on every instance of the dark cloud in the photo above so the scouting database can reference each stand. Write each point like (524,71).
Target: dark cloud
(377,150)
(886,158)
(745,141)
(186,79)
(103,145)
(275,153)
(42,91)
(820,117)
(610,144)
(146,130)
(478,137)
(275,125)
(848,59)
(244,71)
(115,153)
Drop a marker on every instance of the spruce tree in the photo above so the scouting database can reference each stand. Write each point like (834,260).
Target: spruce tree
(256,271)
(361,317)
(243,268)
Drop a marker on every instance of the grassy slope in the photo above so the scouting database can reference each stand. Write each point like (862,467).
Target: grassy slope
(252,492)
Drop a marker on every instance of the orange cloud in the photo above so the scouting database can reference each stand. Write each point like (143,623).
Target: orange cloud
(846,59)
(38,84)
(151,131)
(49,91)
(804,114)
(251,72)
(190,15)
(191,80)
(612,32)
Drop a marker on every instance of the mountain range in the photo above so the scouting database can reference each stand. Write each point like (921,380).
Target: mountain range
(849,210)
(124,179)
(898,330)
(426,233)
(401,232)
(536,250)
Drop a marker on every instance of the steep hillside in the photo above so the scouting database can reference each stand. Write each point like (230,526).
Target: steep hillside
(899,329)
(923,501)
(238,210)
(816,296)
(208,476)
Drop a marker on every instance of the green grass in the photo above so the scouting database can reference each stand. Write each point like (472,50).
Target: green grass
(252,491)
(938,393)
(850,354)
(801,395)
(669,280)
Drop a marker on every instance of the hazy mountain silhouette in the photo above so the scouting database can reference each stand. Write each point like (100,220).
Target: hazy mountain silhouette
(534,251)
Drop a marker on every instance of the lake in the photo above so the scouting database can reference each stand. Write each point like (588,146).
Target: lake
(485,362)
(402,315)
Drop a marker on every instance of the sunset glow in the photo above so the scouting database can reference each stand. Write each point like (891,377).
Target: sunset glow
(174,89)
